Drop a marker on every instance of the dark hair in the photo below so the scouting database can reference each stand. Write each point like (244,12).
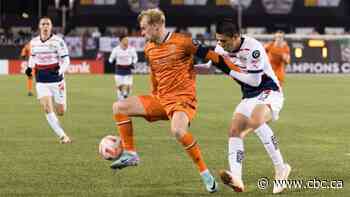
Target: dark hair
(121,37)
(45,17)
(227,27)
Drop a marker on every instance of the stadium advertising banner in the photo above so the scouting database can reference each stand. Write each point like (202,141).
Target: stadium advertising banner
(76,66)
(319,56)
(86,67)
(17,66)
(3,67)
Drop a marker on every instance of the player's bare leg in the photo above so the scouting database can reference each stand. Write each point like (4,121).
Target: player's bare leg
(260,116)
(233,177)
(122,111)
(47,106)
(128,90)
(179,128)
(124,90)
(119,92)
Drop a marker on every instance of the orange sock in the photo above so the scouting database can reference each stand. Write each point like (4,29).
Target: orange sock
(193,150)
(124,125)
(30,84)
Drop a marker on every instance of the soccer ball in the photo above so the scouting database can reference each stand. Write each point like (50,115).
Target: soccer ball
(110,147)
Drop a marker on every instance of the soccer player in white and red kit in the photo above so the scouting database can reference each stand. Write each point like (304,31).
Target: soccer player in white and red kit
(50,58)
(124,57)
(262,100)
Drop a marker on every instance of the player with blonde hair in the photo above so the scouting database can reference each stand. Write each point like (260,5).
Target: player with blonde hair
(173,96)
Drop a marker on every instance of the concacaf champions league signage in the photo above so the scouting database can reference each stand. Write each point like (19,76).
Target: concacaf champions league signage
(319,67)
(337,60)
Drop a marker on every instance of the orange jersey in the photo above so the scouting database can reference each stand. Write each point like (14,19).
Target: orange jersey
(25,52)
(275,55)
(172,71)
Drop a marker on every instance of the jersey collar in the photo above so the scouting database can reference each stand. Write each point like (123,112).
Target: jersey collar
(240,46)
(46,39)
(166,38)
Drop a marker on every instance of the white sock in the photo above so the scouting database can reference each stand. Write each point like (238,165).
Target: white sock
(125,94)
(119,95)
(235,156)
(266,136)
(55,124)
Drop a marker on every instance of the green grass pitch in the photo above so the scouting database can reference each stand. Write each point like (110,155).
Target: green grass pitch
(313,133)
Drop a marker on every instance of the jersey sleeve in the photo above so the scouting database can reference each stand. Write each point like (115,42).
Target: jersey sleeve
(287,54)
(255,59)
(31,61)
(134,56)
(267,46)
(112,56)
(287,50)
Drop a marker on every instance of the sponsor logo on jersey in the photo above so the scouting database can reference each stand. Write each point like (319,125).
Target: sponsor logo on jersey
(256,54)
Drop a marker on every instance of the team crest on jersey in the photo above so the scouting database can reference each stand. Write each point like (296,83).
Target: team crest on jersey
(256,54)
(52,46)
(196,42)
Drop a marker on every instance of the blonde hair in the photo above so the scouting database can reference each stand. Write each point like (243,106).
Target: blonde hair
(155,16)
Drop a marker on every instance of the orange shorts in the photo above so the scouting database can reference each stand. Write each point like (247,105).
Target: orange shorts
(156,111)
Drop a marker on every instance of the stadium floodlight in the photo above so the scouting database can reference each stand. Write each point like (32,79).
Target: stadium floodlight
(65,6)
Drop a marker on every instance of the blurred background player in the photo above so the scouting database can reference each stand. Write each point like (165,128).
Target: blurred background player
(49,57)
(279,55)
(173,97)
(25,54)
(262,100)
(124,57)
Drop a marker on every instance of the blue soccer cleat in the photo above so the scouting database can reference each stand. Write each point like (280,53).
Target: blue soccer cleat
(125,160)
(210,184)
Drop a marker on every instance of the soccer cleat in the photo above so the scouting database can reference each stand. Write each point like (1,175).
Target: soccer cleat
(231,181)
(30,94)
(125,160)
(210,184)
(65,140)
(281,175)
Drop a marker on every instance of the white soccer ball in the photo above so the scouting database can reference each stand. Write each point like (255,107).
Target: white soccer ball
(110,147)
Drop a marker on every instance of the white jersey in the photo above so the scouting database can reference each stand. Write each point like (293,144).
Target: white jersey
(252,58)
(47,57)
(122,56)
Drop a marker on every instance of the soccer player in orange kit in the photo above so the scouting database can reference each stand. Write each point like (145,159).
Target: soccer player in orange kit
(25,53)
(279,55)
(173,97)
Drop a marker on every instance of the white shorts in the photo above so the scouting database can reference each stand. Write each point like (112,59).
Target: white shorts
(272,98)
(123,79)
(57,90)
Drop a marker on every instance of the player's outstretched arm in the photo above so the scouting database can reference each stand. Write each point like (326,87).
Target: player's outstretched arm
(217,60)
(252,78)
